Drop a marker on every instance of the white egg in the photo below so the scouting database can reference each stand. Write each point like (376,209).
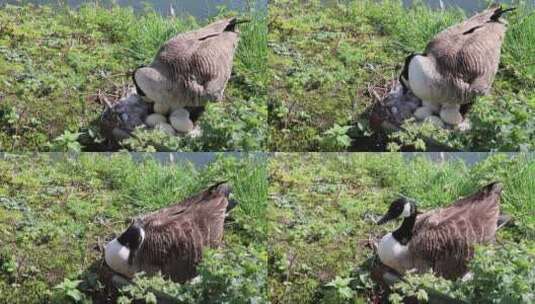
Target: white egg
(155,118)
(422,113)
(161,108)
(451,114)
(166,128)
(180,112)
(435,120)
(181,123)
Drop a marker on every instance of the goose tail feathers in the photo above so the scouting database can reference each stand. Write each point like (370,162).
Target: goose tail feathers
(225,189)
(495,187)
(231,27)
(222,187)
(498,12)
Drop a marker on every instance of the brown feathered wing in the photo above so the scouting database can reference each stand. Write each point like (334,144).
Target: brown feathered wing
(176,236)
(444,239)
(468,54)
(198,64)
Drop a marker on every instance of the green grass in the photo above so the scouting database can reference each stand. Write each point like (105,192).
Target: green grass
(56,60)
(324,206)
(57,212)
(324,60)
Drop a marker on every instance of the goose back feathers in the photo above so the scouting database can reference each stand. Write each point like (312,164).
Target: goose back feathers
(446,237)
(443,239)
(191,68)
(172,240)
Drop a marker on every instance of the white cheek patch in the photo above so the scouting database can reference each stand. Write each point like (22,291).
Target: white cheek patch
(406,210)
(142,233)
(116,256)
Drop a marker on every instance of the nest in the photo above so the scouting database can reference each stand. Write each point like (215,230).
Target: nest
(393,107)
(121,117)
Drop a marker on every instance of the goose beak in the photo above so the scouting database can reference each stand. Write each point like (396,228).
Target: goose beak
(386,218)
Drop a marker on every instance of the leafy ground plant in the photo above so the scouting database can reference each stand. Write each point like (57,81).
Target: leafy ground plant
(500,275)
(323,209)
(57,212)
(57,64)
(329,58)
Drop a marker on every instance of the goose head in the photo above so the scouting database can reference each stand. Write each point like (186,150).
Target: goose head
(133,237)
(393,248)
(498,13)
(401,207)
(120,252)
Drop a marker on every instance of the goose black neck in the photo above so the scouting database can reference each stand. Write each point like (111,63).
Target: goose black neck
(404,233)
(131,238)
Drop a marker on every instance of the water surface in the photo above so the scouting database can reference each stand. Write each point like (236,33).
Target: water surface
(197,159)
(201,9)
(469,6)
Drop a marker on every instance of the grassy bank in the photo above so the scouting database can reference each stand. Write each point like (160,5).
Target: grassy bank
(56,61)
(327,60)
(322,215)
(56,214)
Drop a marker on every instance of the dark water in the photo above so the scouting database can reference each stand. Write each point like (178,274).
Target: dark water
(470,6)
(201,159)
(197,159)
(201,9)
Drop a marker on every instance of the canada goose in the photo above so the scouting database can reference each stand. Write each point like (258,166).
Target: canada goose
(442,239)
(459,64)
(191,68)
(171,240)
